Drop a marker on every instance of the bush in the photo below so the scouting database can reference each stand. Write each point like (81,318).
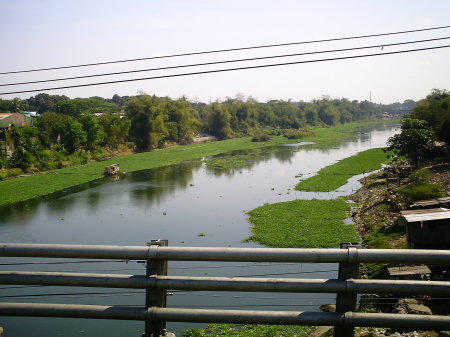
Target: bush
(422,192)
(79,157)
(99,153)
(419,187)
(296,134)
(10,173)
(47,159)
(260,136)
(21,159)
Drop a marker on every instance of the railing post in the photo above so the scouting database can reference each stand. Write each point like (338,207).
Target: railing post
(344,301)
(156,297)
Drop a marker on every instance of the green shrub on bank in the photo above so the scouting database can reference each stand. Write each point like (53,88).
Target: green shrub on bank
(260,136)
(423,192)
(10,173)
(297,134)
(420,188)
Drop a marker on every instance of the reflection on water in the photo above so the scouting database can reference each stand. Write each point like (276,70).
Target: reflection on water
(176,202)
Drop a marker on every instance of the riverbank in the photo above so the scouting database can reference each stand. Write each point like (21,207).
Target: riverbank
(28,187)
(314,223)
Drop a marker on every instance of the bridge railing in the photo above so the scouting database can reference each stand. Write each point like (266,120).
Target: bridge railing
(156,282)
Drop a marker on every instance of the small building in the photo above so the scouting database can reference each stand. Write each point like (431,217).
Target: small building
(409,272)
(30,113)
(433,203)
(8,119)
(427,228)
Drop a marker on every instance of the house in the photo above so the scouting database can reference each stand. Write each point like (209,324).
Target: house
(427,228)
(8,119)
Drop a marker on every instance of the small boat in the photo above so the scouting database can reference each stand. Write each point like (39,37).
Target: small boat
(111,170)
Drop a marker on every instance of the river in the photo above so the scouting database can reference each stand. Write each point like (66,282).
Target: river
(188,204)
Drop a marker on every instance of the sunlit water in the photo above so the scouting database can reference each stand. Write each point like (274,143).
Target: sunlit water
(179,203)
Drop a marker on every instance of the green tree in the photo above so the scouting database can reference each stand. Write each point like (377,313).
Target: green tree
(435,109)
(93,130)
(44,102)
(416,141)
(76,137)
(147,116)
(115,129)
(52,127)
(218,118)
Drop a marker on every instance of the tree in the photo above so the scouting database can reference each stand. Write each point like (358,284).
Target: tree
(218,118)
(45,102)
(416,140)
(93,130)
(76,137)
(115,129)
(52,127)
(147,116)
(435,109)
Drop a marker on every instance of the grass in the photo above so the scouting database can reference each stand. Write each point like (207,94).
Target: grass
(332,177)
(302,224)
(249,330)
(23,188)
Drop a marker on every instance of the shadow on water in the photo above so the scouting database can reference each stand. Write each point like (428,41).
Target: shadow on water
(178,202)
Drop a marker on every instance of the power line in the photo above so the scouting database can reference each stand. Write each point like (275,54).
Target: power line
(223,62)
(224,70)
(224,50)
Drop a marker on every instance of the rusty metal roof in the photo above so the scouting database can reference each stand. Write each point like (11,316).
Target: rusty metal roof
(426,214)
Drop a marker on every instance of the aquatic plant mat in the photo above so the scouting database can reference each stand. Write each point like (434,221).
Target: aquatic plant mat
(332,177)
(302,224)
(249,330)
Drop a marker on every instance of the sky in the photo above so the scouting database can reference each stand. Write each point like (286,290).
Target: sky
(51,33)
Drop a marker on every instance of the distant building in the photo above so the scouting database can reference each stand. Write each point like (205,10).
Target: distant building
(14,119)
(427,228)
(30,113)
(7,122)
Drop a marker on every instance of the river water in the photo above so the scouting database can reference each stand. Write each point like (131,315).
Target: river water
(188,204)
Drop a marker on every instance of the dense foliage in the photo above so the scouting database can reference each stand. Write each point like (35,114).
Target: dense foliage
(421,131)
(74,131)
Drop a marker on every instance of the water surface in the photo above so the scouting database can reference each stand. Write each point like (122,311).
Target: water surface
(188,204)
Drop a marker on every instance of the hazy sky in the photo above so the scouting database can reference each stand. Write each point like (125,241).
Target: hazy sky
(48,33)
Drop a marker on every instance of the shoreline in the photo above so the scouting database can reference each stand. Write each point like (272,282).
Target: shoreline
(40,184)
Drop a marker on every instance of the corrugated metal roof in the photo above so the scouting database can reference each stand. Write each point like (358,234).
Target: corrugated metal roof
(4,115)
(426,214)
(409,270)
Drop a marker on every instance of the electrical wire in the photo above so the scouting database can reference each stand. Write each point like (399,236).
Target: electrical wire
(222,62)
(226,50)
(225,70)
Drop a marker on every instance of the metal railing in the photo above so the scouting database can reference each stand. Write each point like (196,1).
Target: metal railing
(156,282)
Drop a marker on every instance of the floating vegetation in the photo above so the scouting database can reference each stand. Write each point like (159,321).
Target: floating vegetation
(302,224)
(249,330)
(334,176)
